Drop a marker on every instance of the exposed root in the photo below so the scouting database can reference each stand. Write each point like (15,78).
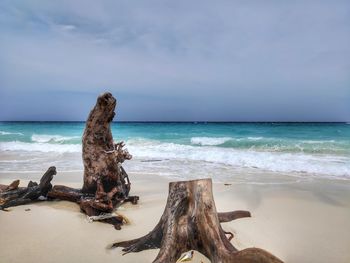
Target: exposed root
(190,222)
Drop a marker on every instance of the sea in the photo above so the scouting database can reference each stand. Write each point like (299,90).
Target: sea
(239,152)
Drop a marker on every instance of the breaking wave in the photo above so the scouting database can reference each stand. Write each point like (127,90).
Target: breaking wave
(216,141)
(45,138)
(209,140)
(271,144)
(10,133)
(325,164)
(39,147)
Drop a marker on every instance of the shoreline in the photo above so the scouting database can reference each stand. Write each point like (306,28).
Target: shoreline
(288,220)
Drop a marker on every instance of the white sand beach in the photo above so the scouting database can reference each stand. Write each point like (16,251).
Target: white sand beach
(306,222)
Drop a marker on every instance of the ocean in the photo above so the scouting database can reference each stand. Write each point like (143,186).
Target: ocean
(240,152)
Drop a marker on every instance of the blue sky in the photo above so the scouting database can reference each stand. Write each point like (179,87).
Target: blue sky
(176,60)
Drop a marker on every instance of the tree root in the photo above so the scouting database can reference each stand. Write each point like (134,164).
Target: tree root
(190,222)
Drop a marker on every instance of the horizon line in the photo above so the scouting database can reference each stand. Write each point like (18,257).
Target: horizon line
(36,121)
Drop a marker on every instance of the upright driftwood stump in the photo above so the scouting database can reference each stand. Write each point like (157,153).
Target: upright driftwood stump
(103,157)
(190,222)
(106,184)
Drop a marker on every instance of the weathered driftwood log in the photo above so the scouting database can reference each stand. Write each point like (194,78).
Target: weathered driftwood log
(12,195)
(87,203)
(106,184)
(103,174)
(102,157)
(66,193)
(190,222)
(14,185)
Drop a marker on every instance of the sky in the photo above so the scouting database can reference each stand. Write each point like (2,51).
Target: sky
(176,60)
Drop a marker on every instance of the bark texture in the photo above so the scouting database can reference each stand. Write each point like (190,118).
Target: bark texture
(101,156)
(13,195)
(190,222)
(106,183)
(103,174)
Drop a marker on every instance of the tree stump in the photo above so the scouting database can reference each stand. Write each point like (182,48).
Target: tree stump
(190,222)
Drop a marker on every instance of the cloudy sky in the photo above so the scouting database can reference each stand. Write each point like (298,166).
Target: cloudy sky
(176,60)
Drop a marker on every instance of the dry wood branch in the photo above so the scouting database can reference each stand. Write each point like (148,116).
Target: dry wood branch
(67,193)
(229,216)
(15,195)
(13,186)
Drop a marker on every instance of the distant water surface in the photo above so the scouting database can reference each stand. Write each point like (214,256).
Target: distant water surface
(188,150)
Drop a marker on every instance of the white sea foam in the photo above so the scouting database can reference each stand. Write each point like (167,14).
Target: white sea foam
(10,133)
(318,141)
(214,141)
(318,164)
(42,138)
(210,141)
(338,166)
(255,138)
(39,147)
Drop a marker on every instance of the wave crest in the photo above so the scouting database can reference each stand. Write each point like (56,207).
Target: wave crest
(10,133)
(326,165)
(209,141)
(39,147)
(335,166)
(46,138)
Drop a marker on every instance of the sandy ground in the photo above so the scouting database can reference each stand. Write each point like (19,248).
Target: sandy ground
(298,222)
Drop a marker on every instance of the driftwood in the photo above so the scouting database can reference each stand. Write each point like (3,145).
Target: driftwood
(106,183)
(12,195)
(103,157)
(190,222)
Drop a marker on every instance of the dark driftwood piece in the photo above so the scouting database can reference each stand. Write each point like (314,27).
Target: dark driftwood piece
(102,157)
(190,222)
(12,195)
(106,183)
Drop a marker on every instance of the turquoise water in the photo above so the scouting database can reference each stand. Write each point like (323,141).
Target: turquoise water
(312,148)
